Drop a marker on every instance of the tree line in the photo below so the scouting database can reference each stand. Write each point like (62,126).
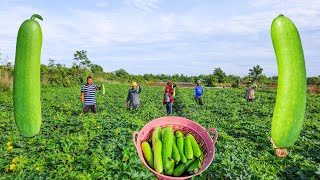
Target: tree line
(56,74)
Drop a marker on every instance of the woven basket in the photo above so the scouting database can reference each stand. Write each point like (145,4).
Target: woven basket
(186,126)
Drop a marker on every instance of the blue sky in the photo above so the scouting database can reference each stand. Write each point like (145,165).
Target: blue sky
(188,37)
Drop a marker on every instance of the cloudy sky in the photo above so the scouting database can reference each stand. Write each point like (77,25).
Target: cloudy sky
(189,37)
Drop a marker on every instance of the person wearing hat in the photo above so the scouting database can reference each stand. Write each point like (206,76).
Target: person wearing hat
(168,98)
(249,96)
(198,92)
(133,96)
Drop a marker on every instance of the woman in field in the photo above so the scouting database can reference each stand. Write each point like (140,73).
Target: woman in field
(249,96)
(168,98)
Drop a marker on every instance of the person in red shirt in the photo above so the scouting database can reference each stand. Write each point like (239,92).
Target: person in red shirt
(168,98)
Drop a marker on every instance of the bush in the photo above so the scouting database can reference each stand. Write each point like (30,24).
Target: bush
(236,83)
(6,82)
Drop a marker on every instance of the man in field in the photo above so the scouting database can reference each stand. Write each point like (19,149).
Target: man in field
(88,98)
(249,96)
(198,92)
(133,96)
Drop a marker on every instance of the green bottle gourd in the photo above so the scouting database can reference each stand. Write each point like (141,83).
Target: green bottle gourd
(157,160)
(167,147)
(103,89)
(147,153)
(180,146)
(290,105)
(26,83)
(175,152)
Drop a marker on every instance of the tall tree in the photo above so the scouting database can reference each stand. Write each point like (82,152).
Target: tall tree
(121,73)
(7,65)
(95,68)
(81,59)
(211,80)
(255,72)
(220,74)
(51,63)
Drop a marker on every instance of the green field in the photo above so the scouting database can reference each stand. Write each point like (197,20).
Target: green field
(73,145)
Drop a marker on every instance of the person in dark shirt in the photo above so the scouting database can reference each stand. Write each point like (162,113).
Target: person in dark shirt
(133,99)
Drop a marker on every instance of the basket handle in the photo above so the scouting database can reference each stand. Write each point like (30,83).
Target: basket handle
(134,134)
(215,134)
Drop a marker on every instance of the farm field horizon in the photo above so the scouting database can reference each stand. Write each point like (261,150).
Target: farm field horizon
(73,145)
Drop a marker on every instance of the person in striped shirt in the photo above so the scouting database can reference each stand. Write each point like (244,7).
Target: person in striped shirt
(88,98)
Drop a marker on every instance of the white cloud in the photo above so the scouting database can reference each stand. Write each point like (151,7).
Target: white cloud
(102,4)
(11,20)
(62,34)
(189,38)
(258,18)
(143,5)
(303,13)
(81,30)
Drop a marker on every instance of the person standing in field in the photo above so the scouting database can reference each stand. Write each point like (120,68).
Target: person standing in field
(198,92)
(133,96)
(168,98)
(249,96)
(88,98)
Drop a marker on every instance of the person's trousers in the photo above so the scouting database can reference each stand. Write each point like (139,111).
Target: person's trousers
(199,100)
(87,108)
(169,107)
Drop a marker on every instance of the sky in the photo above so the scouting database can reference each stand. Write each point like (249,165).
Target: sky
(189,37)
